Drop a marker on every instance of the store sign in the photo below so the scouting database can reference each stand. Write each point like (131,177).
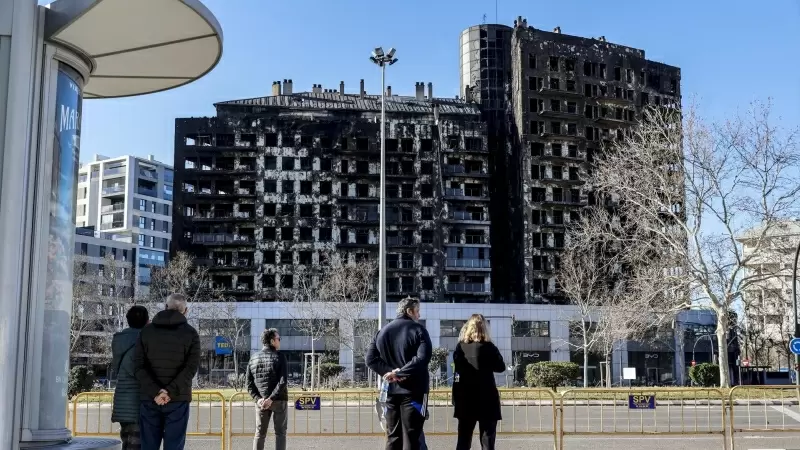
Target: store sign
(651,356)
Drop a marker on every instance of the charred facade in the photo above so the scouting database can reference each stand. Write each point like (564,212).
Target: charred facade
(480,190)
(571,97)
(287,180)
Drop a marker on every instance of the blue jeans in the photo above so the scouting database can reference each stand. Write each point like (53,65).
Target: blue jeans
(422,444)
(167,423)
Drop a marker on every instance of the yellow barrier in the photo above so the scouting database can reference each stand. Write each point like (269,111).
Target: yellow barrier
(643,411)
(763,409)
(353,413)
(91,415)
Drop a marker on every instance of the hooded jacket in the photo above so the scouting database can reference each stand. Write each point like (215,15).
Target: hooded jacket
(167,357)
(126,394)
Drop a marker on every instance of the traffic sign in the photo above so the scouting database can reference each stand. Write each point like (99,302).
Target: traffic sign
(794,346)
(694,363)
(746,363)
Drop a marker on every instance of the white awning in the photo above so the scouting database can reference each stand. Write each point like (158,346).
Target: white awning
(137,46)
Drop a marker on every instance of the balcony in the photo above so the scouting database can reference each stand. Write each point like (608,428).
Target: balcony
(560,92)
(477,288)
(117,207)
(109,226)
(468,263)
(400,265)
(398,241)
(114,190)
(560,114)
(141,190)
(223,264)
(221,239)
(149,174)
(467,216)
(114,172)
(453,192)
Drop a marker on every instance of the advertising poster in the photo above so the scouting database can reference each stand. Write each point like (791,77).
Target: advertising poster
(58,291)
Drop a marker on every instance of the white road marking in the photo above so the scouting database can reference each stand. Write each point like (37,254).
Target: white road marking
(787,411)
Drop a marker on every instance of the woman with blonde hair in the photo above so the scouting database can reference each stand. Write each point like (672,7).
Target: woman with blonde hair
(475,396)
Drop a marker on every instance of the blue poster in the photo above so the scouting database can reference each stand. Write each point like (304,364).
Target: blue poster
(222,346)
(61,235)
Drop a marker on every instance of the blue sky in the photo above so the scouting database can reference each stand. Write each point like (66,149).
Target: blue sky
(730,52)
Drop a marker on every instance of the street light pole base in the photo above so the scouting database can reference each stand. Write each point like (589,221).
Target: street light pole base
(80,444)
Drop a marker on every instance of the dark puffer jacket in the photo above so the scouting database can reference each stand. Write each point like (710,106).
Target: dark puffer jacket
(266,375)
(126,394)
(167,357)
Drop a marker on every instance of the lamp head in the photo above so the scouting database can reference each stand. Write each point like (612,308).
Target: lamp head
(377,53)
(390,53)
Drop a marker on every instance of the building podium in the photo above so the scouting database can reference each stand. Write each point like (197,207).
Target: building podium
(51,59)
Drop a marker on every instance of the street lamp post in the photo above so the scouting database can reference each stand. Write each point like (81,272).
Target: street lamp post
(382,59)
(796,324)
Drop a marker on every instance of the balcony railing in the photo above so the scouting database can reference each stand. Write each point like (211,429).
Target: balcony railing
(401,264)
(467,287)
(465,215)
(454,168)
(108,226)
(114,171)
(469,263)
(244,191)
(113,189)
(148,174)
(399,240)
(242,215)
(453,192)
(240,262)
(219,238)
(119,207)
(146,191)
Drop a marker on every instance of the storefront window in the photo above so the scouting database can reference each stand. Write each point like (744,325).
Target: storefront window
(653,368)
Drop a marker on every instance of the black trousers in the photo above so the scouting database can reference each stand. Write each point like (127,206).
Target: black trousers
(405,417)
(488,430)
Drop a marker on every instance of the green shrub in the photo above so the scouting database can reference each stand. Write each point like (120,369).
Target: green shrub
(705,374)
(81,379)
(550,374)
(329,370)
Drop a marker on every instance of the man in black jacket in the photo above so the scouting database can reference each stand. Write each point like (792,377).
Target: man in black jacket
(166,360)
(400,353)
(267,374)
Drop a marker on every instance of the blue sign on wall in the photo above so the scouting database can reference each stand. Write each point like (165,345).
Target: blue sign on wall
(222,346)
(642,401)
(794,346)
(308,403)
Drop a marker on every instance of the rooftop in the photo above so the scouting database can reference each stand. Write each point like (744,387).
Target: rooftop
(356,102)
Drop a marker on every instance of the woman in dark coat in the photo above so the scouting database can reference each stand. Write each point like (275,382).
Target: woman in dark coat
(475,395)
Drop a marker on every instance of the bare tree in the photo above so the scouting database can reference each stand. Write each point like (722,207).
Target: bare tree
(351,286)
(695,190)
(310,314)
(100,297)
(220,318)
(182,276)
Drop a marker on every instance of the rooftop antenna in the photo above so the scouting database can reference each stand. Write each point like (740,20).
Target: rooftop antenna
(484,18)
(495,12)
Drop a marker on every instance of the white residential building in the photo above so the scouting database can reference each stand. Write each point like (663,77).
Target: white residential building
(129,195)
(768,304)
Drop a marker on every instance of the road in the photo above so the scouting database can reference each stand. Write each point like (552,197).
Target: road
(352,421)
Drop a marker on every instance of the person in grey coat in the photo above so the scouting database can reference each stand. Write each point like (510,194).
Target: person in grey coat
(126,396)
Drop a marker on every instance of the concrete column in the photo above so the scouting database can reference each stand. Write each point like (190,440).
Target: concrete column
(559,338)
(257,327)
(346,357)
(501,335)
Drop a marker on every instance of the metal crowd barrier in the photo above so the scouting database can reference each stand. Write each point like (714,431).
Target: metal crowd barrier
(763,409)
(91,415)
(353,413)
(642,411)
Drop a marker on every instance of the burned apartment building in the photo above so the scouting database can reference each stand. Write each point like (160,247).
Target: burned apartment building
(571,97)
(285,181)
